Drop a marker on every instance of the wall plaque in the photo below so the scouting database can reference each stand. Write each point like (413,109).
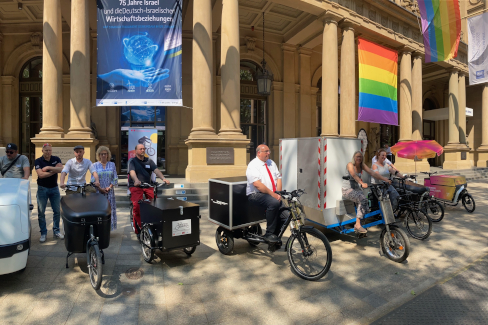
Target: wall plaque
(463,155)
(64,153)
(220,156)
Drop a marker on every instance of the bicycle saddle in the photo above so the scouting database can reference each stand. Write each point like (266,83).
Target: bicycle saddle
(411,187)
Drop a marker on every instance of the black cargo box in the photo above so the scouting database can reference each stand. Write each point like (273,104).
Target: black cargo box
(228,205)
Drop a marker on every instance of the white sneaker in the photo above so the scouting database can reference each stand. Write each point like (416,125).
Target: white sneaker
(58,235)
(42,239)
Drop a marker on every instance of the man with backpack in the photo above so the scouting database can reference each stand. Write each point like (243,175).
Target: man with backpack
(140,169)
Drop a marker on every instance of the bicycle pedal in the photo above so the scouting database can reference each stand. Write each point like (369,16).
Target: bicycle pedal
(272,248)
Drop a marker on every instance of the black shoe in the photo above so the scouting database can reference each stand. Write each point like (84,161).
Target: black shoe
(271,238)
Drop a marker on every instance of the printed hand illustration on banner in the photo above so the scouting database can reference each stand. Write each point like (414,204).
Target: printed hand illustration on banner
(150,75)
(139,50)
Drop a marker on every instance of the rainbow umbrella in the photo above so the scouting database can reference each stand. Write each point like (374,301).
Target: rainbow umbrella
(420,149)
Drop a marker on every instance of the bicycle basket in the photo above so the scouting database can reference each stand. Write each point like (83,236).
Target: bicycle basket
(387,210)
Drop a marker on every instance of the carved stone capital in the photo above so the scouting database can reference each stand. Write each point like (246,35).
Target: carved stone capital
(36,40)
(251,43)
(288,47)
(330,16)
(304,51)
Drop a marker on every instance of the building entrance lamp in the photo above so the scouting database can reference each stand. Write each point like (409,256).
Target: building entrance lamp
(264,77)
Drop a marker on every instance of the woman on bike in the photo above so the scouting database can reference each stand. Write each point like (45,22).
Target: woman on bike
(107,173)
(352,189)
(382,168)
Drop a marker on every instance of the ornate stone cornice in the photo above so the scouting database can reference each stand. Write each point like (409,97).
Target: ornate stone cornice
(304,51)
(288,47)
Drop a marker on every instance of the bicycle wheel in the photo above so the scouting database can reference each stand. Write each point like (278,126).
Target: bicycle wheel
(435,210)
(224,240)
(95,266)
(256,229)
(418,224)
(398,248)
(468,202)
(131,217)
(147,241)
(189,250)
(309,254)
(150,151)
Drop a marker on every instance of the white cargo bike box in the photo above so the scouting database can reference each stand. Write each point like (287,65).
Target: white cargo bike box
(317,165)
(15,228)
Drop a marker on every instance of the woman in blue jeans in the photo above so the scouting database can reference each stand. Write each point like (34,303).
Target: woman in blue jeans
(47,167)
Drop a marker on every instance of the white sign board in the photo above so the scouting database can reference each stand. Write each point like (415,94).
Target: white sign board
(181,227)
(469,111)
(64,153)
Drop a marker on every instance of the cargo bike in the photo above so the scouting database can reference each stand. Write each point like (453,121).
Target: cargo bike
(87,222)
(308,250)
(168,224)
(449,190)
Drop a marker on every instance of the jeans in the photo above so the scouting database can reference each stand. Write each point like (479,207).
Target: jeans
(272,205)
(43,194)
(136,195)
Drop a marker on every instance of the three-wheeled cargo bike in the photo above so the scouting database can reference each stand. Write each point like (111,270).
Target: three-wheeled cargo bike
(450,189)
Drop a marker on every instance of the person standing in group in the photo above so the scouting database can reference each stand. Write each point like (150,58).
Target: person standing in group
(76,168)
(14,165)
(107,174)
(47,168)
(140,169)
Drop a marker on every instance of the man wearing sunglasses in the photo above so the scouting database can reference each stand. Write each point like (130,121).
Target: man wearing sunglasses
(14,165)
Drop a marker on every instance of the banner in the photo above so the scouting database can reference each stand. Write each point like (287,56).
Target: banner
(441,27)
(139,53)
(478,49)
(147,137)
(378,68)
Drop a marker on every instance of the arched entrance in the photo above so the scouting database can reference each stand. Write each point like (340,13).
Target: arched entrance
(254,109)
(30,104)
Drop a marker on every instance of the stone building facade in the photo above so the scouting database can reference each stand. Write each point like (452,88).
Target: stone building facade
(48,81)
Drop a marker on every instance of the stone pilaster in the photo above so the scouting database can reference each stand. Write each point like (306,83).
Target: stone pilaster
(330,75)
(483,149)
(52,66)
(3,117)
(417,96)
(405,96)
(348,81)
(305,112)
(289,96)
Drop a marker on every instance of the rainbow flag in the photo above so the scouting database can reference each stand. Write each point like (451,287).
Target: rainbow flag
(378,68)
(441,27)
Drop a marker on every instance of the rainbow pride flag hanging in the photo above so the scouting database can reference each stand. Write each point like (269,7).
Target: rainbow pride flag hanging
(378,68)
(441,27)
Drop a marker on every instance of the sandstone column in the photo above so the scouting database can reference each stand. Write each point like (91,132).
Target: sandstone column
(202,70)
(230,58)
(305,112)
(462,108)
(80,106)
(417,97)
(52,66)
(405,96)
(289,91)
(99,114)
(483,149)
(348,82)
(3,117)
(453,108)
(330,76)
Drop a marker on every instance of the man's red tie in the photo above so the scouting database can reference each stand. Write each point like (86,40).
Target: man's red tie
(270,177)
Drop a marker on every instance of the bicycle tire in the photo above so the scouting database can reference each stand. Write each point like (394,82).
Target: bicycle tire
(150,151)
(420,222)
(405,247)
(467,199)
(435,210)
(224,240)
(95,268)
(295,251)
(147,239)
(131,216)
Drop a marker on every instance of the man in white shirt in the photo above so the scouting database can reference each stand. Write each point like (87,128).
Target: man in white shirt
(76,169)
(263,180)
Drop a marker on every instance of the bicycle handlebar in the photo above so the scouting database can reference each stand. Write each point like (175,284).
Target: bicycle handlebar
(147,185)
(429,173)
(289,195)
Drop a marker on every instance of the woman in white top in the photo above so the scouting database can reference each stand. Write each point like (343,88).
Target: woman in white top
(385,170)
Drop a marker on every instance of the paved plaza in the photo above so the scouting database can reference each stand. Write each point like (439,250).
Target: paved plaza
(251,286)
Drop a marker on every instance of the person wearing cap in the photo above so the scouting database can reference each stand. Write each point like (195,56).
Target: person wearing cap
(47,168)
(76,168)
(14,165)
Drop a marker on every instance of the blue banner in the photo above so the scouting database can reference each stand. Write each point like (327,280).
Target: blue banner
(139,53)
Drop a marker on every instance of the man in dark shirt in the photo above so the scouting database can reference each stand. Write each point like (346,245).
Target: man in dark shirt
(47,168)
(140,169)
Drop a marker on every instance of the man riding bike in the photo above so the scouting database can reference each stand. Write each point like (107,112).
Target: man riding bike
(263,180)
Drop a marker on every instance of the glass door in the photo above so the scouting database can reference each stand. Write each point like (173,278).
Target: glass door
(253,123)
(31,122)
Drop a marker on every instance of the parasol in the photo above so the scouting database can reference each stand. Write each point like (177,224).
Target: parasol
(415,150)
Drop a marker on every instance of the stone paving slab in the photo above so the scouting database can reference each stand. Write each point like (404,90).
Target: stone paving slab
(250,286)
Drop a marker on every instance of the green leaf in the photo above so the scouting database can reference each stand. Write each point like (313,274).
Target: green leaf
(180,284)
(413,293)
